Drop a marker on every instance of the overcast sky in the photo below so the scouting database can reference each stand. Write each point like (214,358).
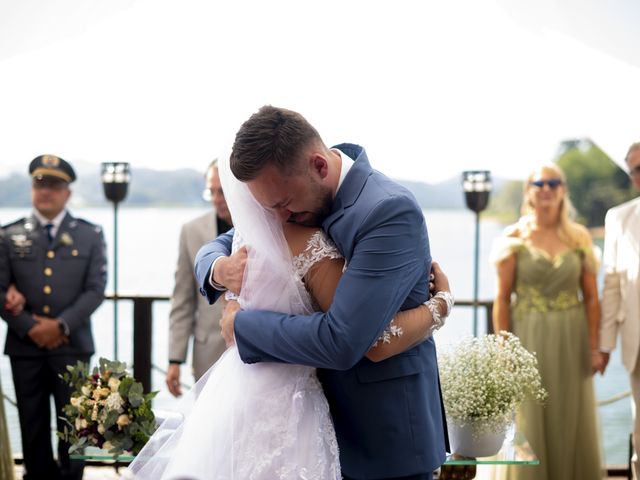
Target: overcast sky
(430,88)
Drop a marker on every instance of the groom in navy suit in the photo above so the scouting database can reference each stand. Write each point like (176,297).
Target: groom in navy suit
(388,416)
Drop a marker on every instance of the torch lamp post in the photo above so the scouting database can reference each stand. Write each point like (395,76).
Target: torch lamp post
(476,185)
(115,181)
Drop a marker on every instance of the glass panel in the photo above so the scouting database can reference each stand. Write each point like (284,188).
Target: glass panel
(94,453)
(515,451)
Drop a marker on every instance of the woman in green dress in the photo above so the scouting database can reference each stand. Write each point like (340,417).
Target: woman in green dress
(547,295)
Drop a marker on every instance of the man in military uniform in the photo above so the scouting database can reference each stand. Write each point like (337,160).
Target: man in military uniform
(58,263)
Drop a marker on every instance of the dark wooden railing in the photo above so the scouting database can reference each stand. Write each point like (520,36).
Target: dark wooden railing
(143,341)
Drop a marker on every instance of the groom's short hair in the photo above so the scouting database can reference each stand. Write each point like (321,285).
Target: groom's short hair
(271,136)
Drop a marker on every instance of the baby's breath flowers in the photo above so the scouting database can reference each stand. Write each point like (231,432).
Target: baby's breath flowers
(485,378)
(107,409)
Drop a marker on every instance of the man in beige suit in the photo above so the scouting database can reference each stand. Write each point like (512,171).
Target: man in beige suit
(191,315)
(621,293)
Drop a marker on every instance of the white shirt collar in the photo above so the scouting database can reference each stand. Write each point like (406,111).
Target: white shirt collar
(347,163)
(56,221)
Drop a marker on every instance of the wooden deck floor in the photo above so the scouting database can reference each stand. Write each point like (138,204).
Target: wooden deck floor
(109,473)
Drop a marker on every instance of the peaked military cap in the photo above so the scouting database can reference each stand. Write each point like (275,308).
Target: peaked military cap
(51,166)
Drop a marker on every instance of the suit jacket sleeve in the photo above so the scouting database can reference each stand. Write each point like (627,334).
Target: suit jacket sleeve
(389,259)
(220,247)
(611,294)
(184,303)
(22,322)
(79,312)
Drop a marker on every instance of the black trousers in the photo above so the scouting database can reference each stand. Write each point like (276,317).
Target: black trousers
(35,380)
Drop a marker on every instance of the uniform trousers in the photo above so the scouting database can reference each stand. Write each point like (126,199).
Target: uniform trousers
(35,380)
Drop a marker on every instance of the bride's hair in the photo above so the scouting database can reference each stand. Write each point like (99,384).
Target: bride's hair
(271,136)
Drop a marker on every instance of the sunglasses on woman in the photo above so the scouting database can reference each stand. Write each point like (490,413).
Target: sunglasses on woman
(552,182)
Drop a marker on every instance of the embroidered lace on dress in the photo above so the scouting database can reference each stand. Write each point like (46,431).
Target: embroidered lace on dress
(392,330)
(531,299)
(319,246)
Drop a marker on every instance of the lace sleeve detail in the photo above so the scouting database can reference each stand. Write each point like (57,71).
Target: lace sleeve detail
(318,247)
(392,330)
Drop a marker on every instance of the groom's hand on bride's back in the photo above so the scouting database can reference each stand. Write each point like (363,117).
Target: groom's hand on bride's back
(229,271)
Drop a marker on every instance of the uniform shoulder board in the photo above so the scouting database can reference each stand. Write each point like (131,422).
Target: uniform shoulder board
(15,223)
(97,228)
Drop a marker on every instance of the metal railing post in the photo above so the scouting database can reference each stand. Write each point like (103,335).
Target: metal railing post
(142,332)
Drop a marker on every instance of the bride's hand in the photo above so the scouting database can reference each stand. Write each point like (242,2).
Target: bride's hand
(440,279)
(14,300)
(229,271)
(227,321)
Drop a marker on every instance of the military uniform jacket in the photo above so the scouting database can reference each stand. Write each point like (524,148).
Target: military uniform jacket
(63,279)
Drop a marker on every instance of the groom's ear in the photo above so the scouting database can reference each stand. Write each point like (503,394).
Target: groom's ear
(319,165)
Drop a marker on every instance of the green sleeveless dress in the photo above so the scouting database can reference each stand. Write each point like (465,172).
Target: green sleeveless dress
(549,318)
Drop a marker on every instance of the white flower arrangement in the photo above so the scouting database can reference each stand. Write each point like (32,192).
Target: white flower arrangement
(108,409)
(485,378)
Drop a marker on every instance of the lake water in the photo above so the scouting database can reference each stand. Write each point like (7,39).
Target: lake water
(147,252)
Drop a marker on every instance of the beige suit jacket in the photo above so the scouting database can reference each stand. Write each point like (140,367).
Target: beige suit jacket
(621,293)
(191,315)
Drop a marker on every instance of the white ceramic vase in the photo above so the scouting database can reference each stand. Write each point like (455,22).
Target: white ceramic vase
(464,441)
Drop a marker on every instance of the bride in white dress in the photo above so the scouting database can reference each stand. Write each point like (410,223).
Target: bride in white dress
(266,420)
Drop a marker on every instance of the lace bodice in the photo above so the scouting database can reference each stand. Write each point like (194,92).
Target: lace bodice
(546,284)
(319,246)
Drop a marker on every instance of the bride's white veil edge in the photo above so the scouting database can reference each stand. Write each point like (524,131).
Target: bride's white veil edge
(270,266)
(270,283)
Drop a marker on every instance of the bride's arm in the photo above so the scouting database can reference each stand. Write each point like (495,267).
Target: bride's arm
(415,324)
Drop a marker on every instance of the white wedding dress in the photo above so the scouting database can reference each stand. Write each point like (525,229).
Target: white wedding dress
(260,421)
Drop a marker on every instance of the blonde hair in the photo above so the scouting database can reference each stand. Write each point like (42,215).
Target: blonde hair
(570,232)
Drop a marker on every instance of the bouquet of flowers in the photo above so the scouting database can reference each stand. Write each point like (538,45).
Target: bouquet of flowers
(108,409)
(485,378)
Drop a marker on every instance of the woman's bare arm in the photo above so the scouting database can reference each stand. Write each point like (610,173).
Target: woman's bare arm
(506,273)
(592,309)
(322,280)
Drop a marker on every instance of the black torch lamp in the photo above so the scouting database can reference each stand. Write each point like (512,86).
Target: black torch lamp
(476,185)
(115,181)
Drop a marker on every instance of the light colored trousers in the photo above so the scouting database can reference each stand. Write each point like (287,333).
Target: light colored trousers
(635,404)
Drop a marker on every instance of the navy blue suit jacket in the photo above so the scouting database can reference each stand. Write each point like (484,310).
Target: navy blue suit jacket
(388,416)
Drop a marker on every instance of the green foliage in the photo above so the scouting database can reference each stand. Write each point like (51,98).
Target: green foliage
(596,183)
(505,203)
(108,409)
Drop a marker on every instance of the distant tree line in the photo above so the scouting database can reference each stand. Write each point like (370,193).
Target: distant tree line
(595,181)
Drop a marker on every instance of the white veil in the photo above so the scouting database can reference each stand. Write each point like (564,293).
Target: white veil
(270,264)
(226,390)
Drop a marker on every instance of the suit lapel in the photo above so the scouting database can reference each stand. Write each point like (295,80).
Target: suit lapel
(350,189)
(631,225)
